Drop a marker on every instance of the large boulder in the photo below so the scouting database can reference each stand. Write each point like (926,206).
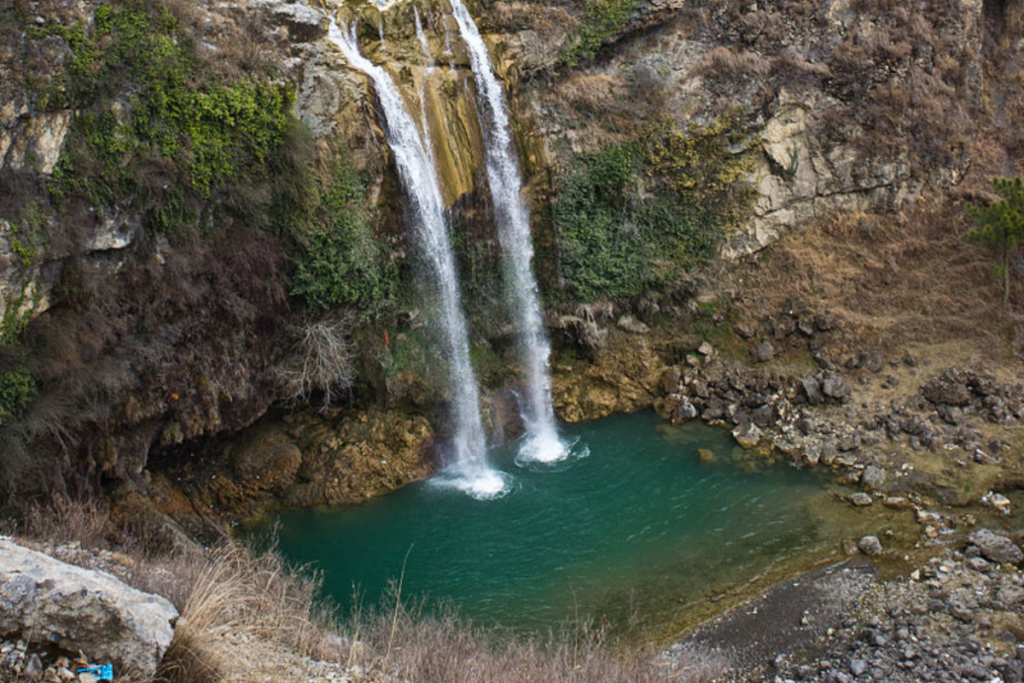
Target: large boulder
(995,547)
(47,602)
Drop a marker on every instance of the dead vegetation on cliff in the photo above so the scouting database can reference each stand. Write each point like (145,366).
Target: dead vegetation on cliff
(891,281)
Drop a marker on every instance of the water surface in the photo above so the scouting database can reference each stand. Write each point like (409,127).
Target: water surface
(640,524)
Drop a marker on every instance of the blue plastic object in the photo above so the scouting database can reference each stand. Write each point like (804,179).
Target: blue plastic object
(105,672)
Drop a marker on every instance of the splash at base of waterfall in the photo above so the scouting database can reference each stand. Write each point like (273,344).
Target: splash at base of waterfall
(481,483)
(542,445)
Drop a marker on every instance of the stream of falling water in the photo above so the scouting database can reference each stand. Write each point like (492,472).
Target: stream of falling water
(469,469)
(541,443)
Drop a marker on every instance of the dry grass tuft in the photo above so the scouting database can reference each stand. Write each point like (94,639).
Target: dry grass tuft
(247,618)
(405,643)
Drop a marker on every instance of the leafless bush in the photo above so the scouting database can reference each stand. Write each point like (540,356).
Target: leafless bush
(63,519)
(322,360)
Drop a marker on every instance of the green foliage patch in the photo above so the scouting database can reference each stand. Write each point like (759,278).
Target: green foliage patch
(341,262)
(17,388)
(633,217)
(602,20)
(1000,225)
(154,124)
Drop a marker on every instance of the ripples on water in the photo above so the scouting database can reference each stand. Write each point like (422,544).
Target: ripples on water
(634,520)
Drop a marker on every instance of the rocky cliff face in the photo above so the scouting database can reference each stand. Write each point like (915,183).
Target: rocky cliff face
(137,339)
(849,106)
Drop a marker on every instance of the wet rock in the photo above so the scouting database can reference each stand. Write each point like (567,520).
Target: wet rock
(265,460)
(995,547)
(860,499)
(685,411)
(670,380)
(706,455)
(870,546)
(748,435)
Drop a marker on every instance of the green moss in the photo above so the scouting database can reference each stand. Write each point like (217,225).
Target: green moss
(17,388)
(699,164)
(490,368)
(603,20)
(145,102)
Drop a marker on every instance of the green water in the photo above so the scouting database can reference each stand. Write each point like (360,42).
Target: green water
(639,525)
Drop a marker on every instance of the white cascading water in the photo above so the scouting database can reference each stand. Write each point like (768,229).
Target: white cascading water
(541,443)
(469,469)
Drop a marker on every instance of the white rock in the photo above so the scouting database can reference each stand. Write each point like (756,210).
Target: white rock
(48,602)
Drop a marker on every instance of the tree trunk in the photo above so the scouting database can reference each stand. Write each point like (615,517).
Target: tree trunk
(1006,277)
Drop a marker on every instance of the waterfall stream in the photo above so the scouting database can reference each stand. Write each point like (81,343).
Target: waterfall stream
(541,443)
(469,469)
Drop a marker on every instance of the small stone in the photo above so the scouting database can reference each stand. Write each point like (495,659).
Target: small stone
(897,503)
(748,435)
(706,455)
(34,668)
(860,499)
(764,352)
(632,325)
(873,477)
(706,349)
(870,546)
(979,564)
(858,666)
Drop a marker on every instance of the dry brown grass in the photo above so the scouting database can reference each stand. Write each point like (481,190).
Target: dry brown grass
(250,617)
(893,281)
(247,617)
(407,644)
(63,519)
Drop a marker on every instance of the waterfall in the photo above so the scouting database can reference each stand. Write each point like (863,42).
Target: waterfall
(429,61)
(469,469)
(513,219)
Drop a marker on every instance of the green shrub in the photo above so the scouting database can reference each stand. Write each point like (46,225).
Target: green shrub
(1000,225)
(634,217)
(603,20)
(14,322)
(17,388)
(342,264)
